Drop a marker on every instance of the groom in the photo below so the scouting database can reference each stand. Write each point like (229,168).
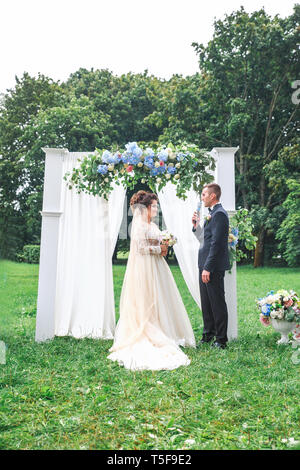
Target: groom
(213,261)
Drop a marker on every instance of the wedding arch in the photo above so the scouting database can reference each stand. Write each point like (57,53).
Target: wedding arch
(78,237)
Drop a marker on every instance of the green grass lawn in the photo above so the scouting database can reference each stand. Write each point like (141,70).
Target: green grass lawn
(65,394)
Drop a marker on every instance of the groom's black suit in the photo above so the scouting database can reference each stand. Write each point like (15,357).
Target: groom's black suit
(214,257)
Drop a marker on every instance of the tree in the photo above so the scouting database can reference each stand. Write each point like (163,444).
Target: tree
(250,64)
(289,231)
(127,100)
(17,108)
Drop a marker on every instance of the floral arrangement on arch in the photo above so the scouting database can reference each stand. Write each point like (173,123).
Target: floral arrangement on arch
(184,165)
(282,305)
(240,233)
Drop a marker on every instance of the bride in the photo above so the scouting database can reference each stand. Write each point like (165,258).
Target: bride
(153,321)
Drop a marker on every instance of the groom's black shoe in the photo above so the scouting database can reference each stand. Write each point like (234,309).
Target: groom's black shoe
(218,345)
(205,340)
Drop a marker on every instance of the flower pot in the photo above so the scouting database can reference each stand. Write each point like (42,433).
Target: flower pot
(284,328)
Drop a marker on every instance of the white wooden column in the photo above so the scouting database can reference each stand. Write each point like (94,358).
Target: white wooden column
(51,213)
(225,177)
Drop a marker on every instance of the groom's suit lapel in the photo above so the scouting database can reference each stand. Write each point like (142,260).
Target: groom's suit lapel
(211,214)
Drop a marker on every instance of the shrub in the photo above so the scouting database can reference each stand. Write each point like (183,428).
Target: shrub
(30,254)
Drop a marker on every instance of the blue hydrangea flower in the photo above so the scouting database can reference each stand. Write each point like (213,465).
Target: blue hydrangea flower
(265,309)
(137,152)
(125,157)
(131,146)
(161,169)
(163,155)
(172,170)
(154,171)
(132,154)
(106,156)
(102,169)
(149,162)
(115,158)
(181,156)
(149,152)
(134,160)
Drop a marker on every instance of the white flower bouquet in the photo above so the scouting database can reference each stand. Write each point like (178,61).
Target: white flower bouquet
(167,238)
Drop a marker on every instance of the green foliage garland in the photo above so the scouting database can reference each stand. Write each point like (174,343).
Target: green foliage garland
(184,165)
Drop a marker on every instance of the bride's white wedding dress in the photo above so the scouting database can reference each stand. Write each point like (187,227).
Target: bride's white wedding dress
(153,320)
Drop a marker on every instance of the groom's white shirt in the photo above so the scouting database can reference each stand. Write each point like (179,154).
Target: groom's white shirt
(199,232)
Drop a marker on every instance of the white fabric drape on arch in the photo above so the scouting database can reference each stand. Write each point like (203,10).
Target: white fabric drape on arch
(177,215)
(84,305)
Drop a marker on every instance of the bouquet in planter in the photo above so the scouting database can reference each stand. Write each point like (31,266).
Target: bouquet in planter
(167,238)
(282,305)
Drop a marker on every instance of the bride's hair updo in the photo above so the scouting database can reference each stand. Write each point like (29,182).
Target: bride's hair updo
(143,197)
(137,197)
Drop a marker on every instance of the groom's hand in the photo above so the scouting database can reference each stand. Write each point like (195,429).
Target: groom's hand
(205,276)
(195,219)
(164,250)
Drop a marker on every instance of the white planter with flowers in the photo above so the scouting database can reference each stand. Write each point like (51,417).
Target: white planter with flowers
(282,311)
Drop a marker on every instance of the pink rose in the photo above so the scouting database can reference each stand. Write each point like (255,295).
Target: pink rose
(264,320)
(289,303)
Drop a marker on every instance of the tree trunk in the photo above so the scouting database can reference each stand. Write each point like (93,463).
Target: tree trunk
(259,249)
(260,244)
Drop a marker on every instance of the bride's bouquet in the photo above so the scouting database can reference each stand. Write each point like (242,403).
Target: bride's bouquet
(167,238)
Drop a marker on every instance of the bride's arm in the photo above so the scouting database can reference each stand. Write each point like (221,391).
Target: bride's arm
(144,248)
(146,245)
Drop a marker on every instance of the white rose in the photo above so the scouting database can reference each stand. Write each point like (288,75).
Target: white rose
(168,176)
(111,167)
(140,164)
(106,180)
(170,165)
(157,164)
(177,165)
(158,180)
(172,156)
(177,177)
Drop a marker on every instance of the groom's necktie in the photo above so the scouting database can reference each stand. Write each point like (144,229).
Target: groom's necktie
(209,210)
